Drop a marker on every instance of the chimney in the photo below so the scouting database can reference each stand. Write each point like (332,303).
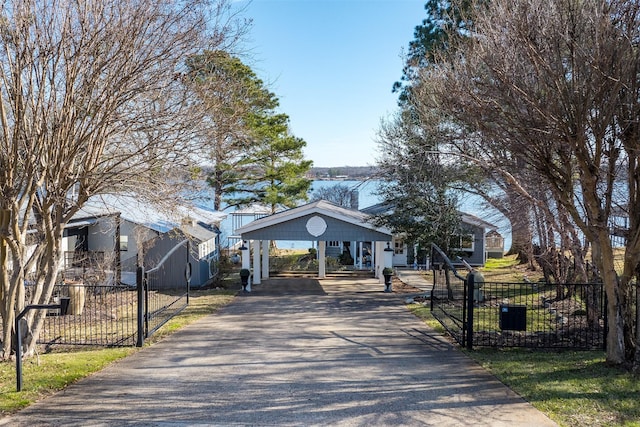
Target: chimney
(354,199)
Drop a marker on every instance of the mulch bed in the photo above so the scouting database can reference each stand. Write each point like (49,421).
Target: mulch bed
(399,287)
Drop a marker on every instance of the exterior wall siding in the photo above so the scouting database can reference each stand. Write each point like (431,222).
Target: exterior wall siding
(336,230)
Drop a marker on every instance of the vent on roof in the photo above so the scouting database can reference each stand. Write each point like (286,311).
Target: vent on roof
(188,221)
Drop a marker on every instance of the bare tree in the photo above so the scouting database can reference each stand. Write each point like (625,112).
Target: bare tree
(339,194)
(91,101)
(547,81)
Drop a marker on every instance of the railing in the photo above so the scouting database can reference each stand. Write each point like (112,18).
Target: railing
(448,295)
(118,315)
(539,315)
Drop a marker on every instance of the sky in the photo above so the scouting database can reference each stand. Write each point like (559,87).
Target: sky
(332,65)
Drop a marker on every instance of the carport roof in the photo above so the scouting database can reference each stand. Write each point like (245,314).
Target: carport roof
(350,221)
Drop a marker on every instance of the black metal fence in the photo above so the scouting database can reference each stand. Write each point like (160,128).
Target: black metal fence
(97,315)
(163,294)
(536,315)
(117,315)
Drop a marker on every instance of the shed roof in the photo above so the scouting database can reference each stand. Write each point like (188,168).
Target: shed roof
(152,216)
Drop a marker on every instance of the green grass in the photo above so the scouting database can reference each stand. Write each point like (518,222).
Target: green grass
(51,372)
(572,388)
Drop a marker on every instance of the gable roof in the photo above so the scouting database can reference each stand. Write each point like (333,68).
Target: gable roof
(322,208)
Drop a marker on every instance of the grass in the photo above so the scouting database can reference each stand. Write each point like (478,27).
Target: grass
(51,372)
(572,388)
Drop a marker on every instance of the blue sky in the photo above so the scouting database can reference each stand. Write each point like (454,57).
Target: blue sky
(332,64)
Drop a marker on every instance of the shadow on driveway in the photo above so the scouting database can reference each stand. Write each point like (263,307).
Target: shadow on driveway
(294,352)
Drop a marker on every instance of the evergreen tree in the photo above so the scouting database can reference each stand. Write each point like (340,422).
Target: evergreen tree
(255,158)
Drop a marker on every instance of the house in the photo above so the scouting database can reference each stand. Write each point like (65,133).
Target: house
(470,242)
(111,235)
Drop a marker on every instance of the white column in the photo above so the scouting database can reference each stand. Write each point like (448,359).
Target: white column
(388,256)
(373,257)
(265,258)
(378,255)
(354,253)
(361,255)
(256,261)
(322,268)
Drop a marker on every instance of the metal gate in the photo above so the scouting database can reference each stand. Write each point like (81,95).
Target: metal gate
(500,314)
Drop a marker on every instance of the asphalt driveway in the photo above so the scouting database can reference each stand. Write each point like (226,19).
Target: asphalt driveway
(294,352)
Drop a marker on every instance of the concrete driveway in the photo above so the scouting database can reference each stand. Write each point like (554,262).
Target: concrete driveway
(294,352)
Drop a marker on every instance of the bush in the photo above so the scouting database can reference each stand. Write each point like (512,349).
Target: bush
(345,258)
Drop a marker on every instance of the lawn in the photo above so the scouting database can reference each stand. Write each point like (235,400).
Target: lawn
(574,388)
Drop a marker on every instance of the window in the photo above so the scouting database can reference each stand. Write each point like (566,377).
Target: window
(124,243)
(463,242)
(398,247)
(333,244)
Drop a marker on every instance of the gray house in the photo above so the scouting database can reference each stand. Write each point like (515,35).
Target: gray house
(112,235)
(470,242)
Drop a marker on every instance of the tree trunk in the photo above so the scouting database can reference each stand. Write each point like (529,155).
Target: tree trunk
(520,235)
(603,256)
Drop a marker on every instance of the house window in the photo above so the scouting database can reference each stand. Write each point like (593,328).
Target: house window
(463,242)
(333,244)
(124,243)
(398,247)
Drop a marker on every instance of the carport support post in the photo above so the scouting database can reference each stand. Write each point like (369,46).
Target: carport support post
(322,267)
(256,262)
(388,257)
(377,254)
(265,259)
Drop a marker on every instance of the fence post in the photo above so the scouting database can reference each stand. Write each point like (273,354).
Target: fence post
(187,273)
(140,315)
(469,286)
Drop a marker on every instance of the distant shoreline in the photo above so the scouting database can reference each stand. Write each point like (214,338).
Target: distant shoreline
(343,173)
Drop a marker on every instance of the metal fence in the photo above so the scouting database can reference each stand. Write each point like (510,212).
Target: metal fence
(164,289)
(97,315)
(536,315)
(116,315)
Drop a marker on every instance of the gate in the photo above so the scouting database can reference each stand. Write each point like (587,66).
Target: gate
(535,315)
(163,291)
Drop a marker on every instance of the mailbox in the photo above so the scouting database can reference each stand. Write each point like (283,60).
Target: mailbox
(513,317)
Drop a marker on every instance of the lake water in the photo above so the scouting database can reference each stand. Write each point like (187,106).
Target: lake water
(470,204)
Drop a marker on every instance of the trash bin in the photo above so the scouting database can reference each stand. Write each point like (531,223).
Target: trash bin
(513,317)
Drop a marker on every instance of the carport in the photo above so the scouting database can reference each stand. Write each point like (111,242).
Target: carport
(319,221)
